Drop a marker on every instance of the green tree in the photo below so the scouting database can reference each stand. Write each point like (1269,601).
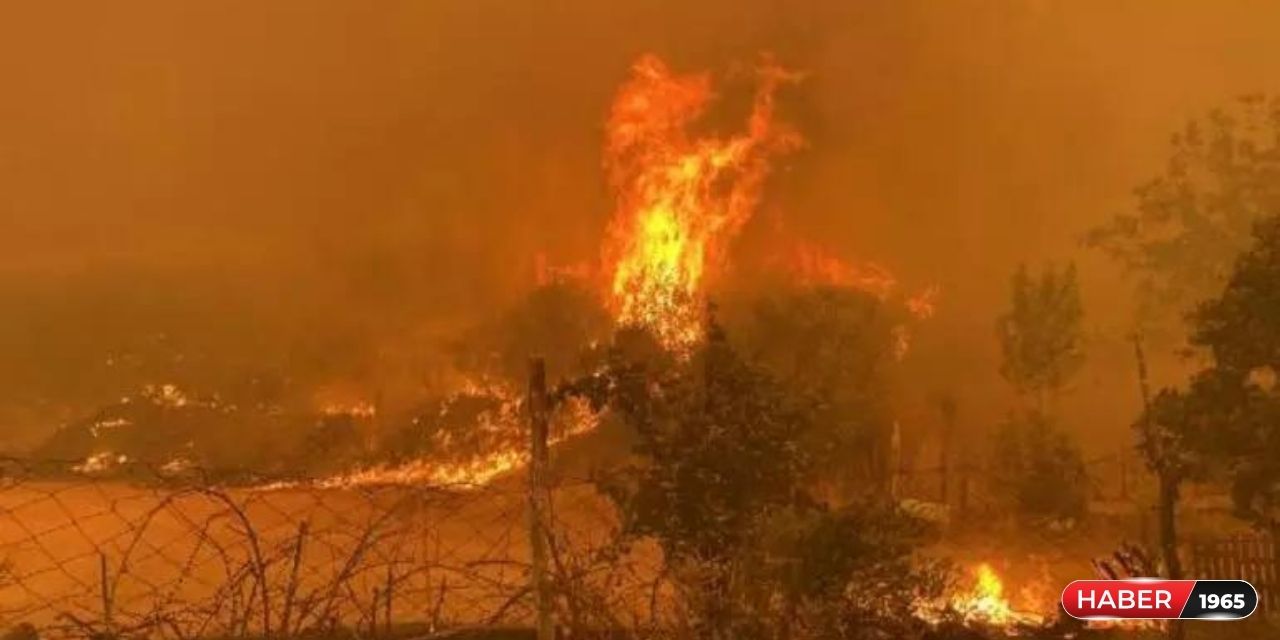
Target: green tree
(1038,472)
(1166,430)
(835,346)
(1040,335)
(1042,347)
(1228,420)
(716,451)
(1190,225)
(720,480)
(1193,219)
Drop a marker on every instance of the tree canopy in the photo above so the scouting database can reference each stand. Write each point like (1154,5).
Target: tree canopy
(1040,334)
(1193,219)
(1227,422)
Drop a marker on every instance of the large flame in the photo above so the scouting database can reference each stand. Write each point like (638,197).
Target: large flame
(679,197)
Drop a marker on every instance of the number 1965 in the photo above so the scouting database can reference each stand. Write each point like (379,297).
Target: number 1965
(1228,601)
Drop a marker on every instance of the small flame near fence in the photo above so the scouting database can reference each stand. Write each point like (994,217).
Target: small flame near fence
(985,602)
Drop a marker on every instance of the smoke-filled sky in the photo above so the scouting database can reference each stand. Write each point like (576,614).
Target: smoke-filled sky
(234,171)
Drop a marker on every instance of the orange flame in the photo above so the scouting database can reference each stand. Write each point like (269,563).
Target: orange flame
(812,265)
(679,198)
(506,455)
(924,303)
(986,604)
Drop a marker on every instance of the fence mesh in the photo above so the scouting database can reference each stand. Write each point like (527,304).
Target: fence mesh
(150,555)
(147,552)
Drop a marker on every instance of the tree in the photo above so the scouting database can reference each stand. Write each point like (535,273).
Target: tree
(1039,472)
(720,480)
(1040,334)
(716,450)
(1224,424)
(1195,218)
(1191,224)
(1228,420)
(835,346)
(1158,426)
(560,321)
(1042,347)
(1164,431)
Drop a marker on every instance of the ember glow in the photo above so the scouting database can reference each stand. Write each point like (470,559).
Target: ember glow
(680,198)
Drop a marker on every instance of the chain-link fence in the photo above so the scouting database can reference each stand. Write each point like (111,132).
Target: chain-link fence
(145,553)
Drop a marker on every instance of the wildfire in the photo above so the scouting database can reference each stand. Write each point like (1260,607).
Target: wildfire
(355,410)
(986,604)
(463,474)
(679,198)
(811,264)
(473,471)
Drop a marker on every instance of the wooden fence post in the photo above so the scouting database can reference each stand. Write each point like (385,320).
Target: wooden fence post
(538,419)
(107,616)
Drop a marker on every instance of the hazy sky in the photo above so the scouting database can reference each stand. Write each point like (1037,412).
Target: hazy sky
(413,156)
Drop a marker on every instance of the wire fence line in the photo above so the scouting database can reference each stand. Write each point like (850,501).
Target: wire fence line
(145,553)
(148,552)
(1119,476)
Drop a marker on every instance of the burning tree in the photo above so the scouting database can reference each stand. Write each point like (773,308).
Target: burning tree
(680,198)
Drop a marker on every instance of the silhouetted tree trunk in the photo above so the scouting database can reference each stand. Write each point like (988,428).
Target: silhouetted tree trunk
(1167,501)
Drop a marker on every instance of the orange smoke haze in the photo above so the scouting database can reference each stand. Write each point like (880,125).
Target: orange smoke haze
(320,191)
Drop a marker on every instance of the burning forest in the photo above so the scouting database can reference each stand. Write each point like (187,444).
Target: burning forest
(795,336)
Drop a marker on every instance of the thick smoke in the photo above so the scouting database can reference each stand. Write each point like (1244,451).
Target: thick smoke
(321,195)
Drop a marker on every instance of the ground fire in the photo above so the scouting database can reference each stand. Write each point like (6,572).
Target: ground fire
(985,602)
